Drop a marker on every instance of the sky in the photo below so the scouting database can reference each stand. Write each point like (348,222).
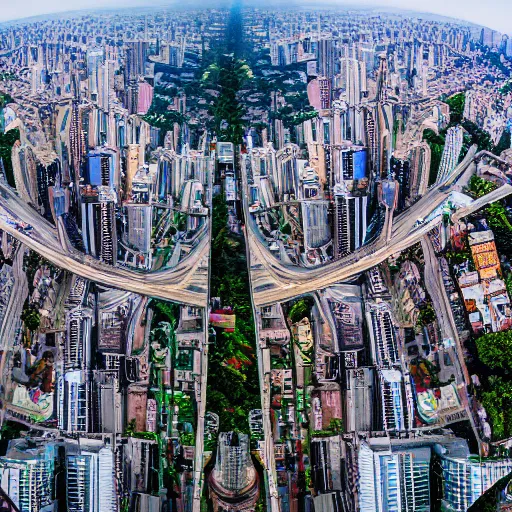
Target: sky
(496,14)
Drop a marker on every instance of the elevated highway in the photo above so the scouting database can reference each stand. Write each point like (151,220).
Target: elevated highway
(186,283)
(274,281)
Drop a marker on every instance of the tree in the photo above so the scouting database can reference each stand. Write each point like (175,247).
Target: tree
(427,315)
(31,318)
(495,350)
(301,309)
(497,216)
(163,311)
(187,439)
(503,144)
(436,144)
(336,425)
(479,187)
(456,104)
(233,388)
(497,401)
(7,141)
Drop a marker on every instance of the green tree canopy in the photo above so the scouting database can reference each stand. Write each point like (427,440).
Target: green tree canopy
(497,401)
(495,350)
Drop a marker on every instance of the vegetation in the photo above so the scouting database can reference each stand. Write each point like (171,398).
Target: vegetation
(496,216)
(292,116)
(473,135)
(456,104)
(187,439)
(233,388)
(335,428)
(458,257)
(479,187)
(436,143)
(497,401)
(12,430)
(478,136)
(301,309)
(163,311)
(503,240)
(31,318)
(506,87)
(131,432)
(427,315)
(504,142)
(508,283)
(7,141)
(495,350)
(161,116)
(5,98)
(492,58)
(5,76)
(225,79)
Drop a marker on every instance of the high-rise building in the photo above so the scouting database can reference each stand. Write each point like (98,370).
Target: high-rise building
(73,393)
(138,229)
(315,215)
(232,468)
(466,477)
(392,395)
(234,475)
(383,334)
(46,177)
(352,81)
(324,85)
(90,480)
(141,456)
(508,49)
(350,223)
(451,152)
(136,56)
(393,477)
(326,53)
(401,170)
(95,59)
(27,474)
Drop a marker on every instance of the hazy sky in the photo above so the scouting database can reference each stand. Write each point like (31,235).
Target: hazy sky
(496,14)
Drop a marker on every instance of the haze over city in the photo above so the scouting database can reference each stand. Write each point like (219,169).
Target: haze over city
(496,14)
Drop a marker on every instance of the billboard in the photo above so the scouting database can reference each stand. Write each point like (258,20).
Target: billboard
(222,321)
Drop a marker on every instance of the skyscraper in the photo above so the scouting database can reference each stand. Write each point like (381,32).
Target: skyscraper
(95,59)
(467,477)
(350,223)
(90,480)
(393,477)
(27,474)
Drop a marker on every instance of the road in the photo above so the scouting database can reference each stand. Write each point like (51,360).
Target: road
(203,385)
(186,283)
(264,378)
(435,286)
